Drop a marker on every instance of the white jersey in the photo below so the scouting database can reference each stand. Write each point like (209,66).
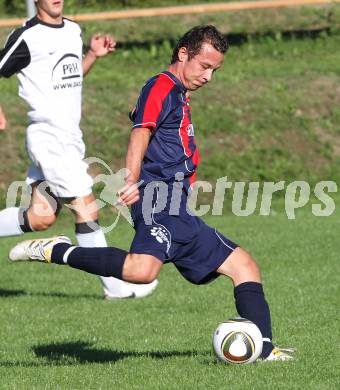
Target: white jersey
(47,59)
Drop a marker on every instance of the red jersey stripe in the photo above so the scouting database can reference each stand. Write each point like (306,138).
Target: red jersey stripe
(154,102)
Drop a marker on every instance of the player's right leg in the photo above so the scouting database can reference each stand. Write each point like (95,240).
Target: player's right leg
(39,216)
(131,267)
(141,268)
(90,234)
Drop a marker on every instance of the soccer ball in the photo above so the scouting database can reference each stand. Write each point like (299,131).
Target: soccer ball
(237,341)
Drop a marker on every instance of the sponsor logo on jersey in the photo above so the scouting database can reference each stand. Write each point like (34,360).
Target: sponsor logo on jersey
(67,73)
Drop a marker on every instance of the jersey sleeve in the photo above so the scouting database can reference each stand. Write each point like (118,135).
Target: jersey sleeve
(152,107)
(15,55)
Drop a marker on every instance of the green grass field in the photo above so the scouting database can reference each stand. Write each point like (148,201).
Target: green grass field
(58,333)
(272,113)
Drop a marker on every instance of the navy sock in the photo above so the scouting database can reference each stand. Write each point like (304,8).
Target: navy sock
(251,304)
(98,261)
(58,252)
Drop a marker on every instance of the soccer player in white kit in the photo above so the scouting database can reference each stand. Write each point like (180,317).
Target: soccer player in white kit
(46,54)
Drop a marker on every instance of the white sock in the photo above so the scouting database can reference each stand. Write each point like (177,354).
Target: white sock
(9,222)
(113,287)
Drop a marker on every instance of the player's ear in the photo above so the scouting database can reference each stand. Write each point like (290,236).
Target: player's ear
(182,54)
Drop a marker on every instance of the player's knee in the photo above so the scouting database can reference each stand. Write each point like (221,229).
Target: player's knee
(247,261)
(246,266)
(42,223)
(141,268)
(241,267)
(146,275)
(85,208)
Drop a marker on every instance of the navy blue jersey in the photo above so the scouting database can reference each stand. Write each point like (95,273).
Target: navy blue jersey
(164,108)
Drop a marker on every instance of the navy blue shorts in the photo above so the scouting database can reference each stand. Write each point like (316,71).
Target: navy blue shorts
(196,249)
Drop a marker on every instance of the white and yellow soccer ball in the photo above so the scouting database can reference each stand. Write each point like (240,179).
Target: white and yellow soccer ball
(237,341)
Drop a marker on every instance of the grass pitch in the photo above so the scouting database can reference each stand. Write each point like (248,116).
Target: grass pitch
(58,333)
(271,112)
(274,111)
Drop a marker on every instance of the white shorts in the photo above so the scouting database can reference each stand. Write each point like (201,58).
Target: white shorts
(57,157)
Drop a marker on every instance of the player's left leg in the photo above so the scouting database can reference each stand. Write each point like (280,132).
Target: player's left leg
(13,222)
(248,293)
(209,255)
(249,298)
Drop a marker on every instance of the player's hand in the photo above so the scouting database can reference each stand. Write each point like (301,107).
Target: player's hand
(129,194)
(101,45)
(3,120)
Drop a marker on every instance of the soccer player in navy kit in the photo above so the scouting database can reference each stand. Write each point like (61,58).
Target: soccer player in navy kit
(163,156)
(46,54)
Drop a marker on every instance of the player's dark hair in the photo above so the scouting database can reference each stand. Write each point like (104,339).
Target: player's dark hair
(194,39)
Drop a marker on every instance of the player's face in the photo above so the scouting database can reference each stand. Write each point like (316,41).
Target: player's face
(50,9)
(199,70)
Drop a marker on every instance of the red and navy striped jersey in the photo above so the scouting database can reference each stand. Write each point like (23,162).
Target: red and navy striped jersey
(164,108)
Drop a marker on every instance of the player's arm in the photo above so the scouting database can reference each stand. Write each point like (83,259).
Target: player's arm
(138,143)
(100,46)
(15,55)
(3,120)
